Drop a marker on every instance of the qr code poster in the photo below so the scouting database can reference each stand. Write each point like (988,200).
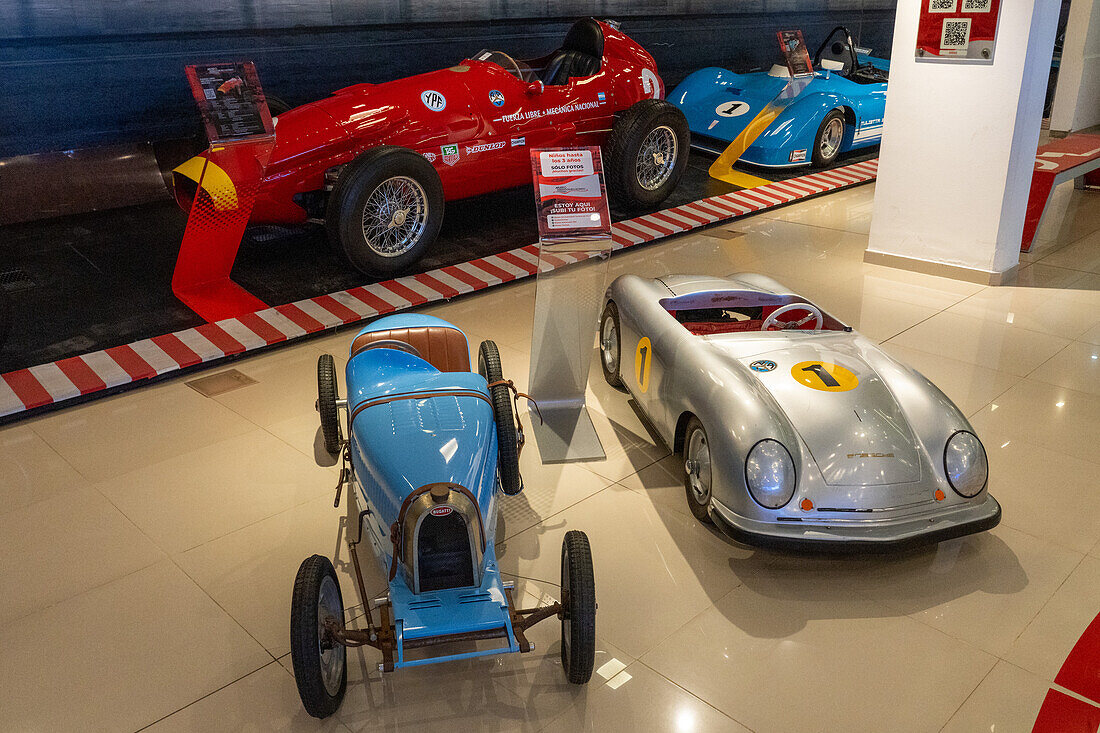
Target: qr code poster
(956,35)
(958,30)
(977,6)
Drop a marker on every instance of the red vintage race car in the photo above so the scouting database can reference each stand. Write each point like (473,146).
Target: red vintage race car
(376,162)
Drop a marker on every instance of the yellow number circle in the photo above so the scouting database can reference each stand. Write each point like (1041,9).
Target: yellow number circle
(643,356)
(824,376)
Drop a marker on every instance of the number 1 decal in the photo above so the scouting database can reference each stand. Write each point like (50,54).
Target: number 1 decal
(824,376)
(643,356)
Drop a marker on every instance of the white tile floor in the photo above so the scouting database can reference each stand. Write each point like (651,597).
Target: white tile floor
(151,538)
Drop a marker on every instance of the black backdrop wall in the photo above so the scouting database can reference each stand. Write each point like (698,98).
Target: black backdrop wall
(81,73)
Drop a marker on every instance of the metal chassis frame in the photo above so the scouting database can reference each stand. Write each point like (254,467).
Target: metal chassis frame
(383,636)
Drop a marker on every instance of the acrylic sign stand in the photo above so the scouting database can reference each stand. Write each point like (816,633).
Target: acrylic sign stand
(242,138)
(574,227)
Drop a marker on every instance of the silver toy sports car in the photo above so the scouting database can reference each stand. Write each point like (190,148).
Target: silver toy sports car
(795,430)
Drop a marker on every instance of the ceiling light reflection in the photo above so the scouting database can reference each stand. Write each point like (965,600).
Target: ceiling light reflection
(685,721)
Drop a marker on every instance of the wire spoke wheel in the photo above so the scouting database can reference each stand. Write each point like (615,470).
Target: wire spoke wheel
(395,216)
(656,158)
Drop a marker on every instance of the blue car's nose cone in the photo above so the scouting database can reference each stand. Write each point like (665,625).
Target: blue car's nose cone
(720,104)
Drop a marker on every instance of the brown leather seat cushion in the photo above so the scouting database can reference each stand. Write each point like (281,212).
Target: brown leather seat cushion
(444,348)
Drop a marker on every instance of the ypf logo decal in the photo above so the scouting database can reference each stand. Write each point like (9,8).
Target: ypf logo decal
(736,108)
(496,97)
(643,357)
(433,100)
(762,365)
(823,376)
(651,85)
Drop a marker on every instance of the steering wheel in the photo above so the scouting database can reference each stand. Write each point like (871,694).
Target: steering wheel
(812,310)
(392,344)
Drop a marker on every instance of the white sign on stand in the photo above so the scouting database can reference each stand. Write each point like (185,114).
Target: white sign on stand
(574,246)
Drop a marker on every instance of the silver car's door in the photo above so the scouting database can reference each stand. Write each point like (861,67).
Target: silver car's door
(648,346)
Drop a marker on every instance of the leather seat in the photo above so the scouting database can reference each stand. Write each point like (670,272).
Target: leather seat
(579,55)
(444,348)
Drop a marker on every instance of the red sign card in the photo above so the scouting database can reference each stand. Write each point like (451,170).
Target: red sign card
(958,29)
(570,195)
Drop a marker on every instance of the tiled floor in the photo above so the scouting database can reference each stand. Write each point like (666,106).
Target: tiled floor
(151,538)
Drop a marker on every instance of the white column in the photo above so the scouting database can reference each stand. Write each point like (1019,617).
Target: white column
(1077,101)
(958,148)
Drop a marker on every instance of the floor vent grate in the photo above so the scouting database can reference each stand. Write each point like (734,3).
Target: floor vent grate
(15,280)
(722,233)
(220,383)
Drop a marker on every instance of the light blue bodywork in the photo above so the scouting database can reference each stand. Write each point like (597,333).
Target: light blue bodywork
(399,446)
(704,92)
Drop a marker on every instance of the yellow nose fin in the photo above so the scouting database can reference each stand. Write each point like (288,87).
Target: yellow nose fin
(722,168)
(214,180)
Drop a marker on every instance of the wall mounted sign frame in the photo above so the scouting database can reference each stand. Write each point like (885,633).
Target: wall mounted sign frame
(958,30)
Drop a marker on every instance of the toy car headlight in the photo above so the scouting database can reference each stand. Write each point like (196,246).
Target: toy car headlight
(965,464)
(769,474)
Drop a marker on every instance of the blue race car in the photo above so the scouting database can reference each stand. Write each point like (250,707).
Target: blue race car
(431,447)
(804,121)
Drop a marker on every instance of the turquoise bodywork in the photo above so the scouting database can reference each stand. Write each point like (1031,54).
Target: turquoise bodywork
(400,445)
(789,139)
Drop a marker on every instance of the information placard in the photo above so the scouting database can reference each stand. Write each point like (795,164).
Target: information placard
(231,101)
(796,53)
(574,227)
(570,195)
(958,30)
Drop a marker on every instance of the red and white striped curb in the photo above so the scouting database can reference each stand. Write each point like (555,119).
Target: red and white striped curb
(48,384)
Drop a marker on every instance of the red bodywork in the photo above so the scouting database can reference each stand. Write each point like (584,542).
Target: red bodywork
(493,141)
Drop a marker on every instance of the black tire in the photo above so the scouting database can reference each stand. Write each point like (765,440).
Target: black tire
(276,106)
(819,160)
(699,509)
(357,182)
(610,320)
(488,366)
(327,394)
(320,700)
(624,146)
(578,600)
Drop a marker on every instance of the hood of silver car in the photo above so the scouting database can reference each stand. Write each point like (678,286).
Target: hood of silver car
(847,417)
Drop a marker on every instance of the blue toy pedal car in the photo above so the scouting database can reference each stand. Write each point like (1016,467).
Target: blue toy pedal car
(430,448)
(837,110)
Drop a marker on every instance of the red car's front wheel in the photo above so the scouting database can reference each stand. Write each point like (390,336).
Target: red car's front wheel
(385,210)
(647,153)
